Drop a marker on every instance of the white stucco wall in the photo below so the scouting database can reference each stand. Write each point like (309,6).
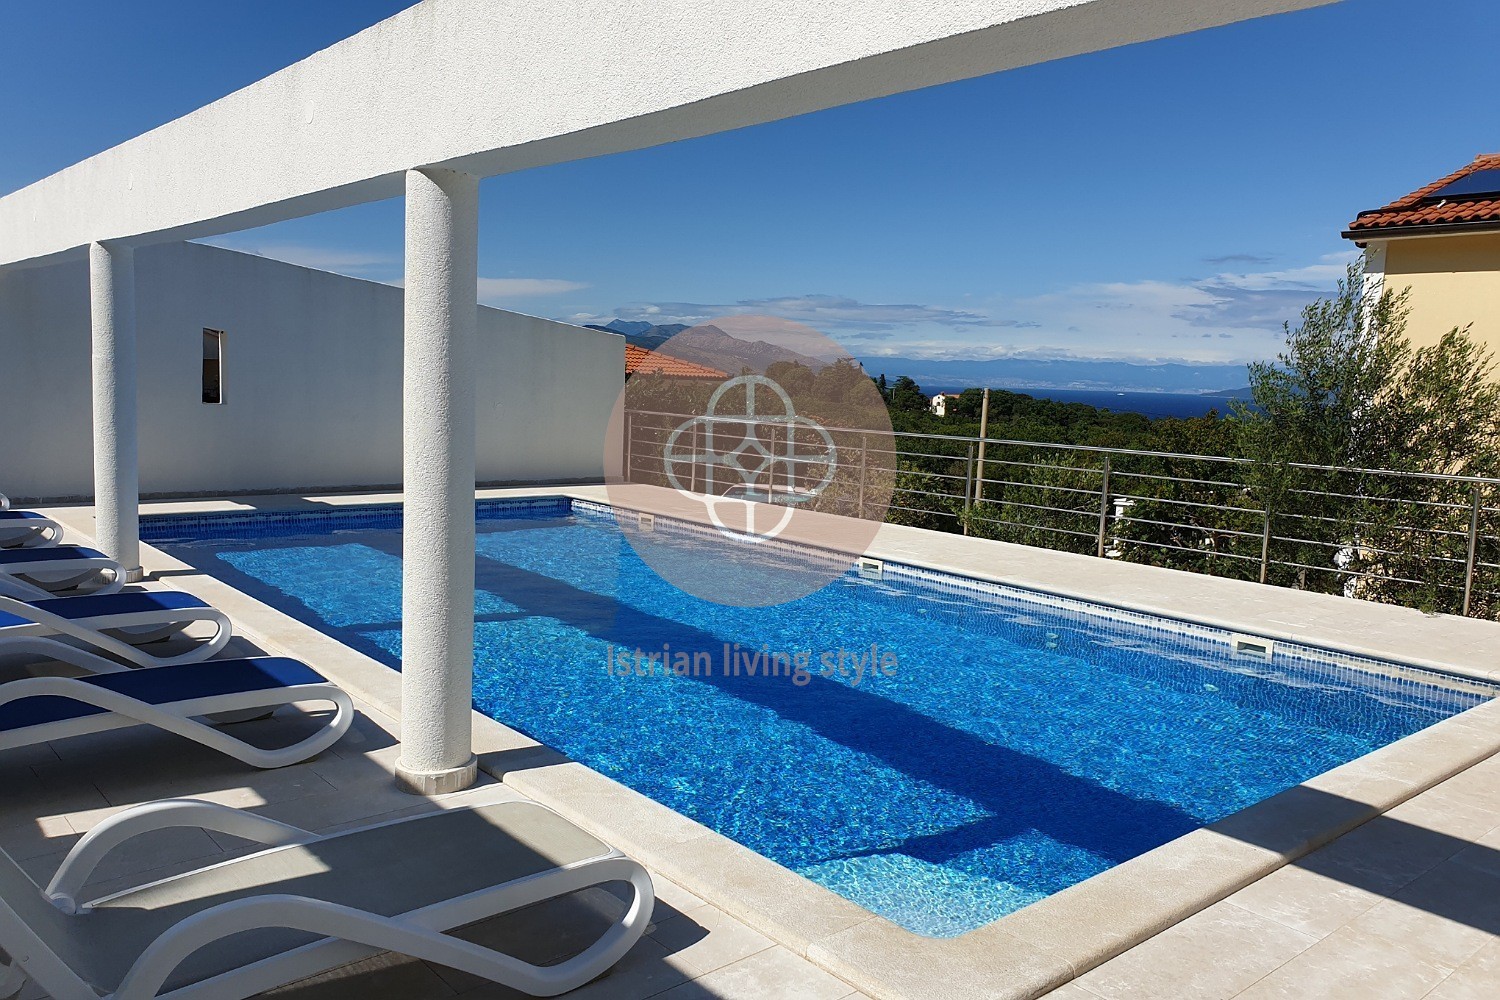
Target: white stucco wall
(491,88)
(312,381)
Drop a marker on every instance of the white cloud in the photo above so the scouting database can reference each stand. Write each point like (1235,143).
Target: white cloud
(1229,316)
(500,289)
(322,258)
(823,312)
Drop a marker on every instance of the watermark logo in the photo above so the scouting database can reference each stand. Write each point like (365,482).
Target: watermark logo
(750,459)
(733,660)
(774,477)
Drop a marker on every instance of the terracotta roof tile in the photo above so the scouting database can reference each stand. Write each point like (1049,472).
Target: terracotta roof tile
(638,359)
(1420,210)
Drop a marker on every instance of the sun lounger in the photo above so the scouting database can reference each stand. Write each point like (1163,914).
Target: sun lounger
(40,709)
(28,529)
(61,568)
(96,631)
(309,903)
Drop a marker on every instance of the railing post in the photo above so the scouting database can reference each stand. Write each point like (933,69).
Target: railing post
(968,484)
(629,431)
(1473,549)
(771,469)
(1265,546)
(693,466)
(984,433)
(864,446)
(1104,502)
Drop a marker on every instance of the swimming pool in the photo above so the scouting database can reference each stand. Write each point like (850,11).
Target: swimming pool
(939,750)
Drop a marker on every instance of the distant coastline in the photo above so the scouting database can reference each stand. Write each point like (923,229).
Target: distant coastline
(1150,404)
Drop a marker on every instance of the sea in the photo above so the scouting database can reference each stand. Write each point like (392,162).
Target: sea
(1151,404)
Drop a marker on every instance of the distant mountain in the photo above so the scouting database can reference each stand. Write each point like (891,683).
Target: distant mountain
(637,328)
(1069,373)
(706,345)
(641,334)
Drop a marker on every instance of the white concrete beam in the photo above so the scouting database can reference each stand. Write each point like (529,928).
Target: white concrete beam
(116,467)
(437,582)
(490,88)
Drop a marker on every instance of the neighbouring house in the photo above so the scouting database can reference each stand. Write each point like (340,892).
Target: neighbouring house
(639,361)
(1442,242)
(939,404)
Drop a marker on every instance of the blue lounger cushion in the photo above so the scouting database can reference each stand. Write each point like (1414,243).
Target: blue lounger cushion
(22,515)
(61,553)
(79,608)
(75,608)
(165,685)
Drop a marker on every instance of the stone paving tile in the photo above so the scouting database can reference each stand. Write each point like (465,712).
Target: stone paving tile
(1477,979)
(1445,917)
(32,792)
(34,838)
(1305,901)
(384,975)
(1071,991)
(1483,854)
(1463,812)
(674,896)
(773,974)
(1349,965)
(1170,966)
(347,771)
(643,972)
(39,753)
(706,940)
(1383,855)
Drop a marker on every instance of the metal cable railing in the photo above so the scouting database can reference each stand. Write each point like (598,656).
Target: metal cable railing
(1417,538)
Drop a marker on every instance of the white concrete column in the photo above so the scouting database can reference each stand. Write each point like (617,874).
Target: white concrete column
(437,584)
(116,474)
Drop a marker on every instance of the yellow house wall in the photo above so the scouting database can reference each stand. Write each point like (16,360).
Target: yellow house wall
(1454,281)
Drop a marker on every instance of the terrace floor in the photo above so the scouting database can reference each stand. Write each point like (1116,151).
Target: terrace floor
(1406,905)
(56,792)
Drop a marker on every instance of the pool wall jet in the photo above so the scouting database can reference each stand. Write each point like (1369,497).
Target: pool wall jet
(1049,942)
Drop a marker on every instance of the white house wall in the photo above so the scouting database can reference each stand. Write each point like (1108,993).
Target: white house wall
(312,381)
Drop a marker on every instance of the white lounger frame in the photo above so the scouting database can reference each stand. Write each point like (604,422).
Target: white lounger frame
(349,934)
(51,532)
(182,717)
(55,576)
(44,641)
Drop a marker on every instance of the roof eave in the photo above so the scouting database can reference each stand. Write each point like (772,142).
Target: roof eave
(1437,229)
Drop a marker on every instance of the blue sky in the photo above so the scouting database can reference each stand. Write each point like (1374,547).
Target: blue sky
(1171,200)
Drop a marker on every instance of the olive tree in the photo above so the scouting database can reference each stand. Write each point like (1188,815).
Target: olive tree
(1349,394)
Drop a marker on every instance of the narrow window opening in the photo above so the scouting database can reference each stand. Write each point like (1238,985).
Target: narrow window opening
(213,366)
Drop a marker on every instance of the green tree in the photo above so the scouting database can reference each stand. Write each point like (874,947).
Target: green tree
(797,379)
(840,381)
(1056,507)
(1351,393)
(907,396)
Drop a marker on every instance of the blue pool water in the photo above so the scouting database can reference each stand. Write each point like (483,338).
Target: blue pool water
(1012,745)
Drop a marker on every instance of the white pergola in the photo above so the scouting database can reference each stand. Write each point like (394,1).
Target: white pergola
(427,103)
